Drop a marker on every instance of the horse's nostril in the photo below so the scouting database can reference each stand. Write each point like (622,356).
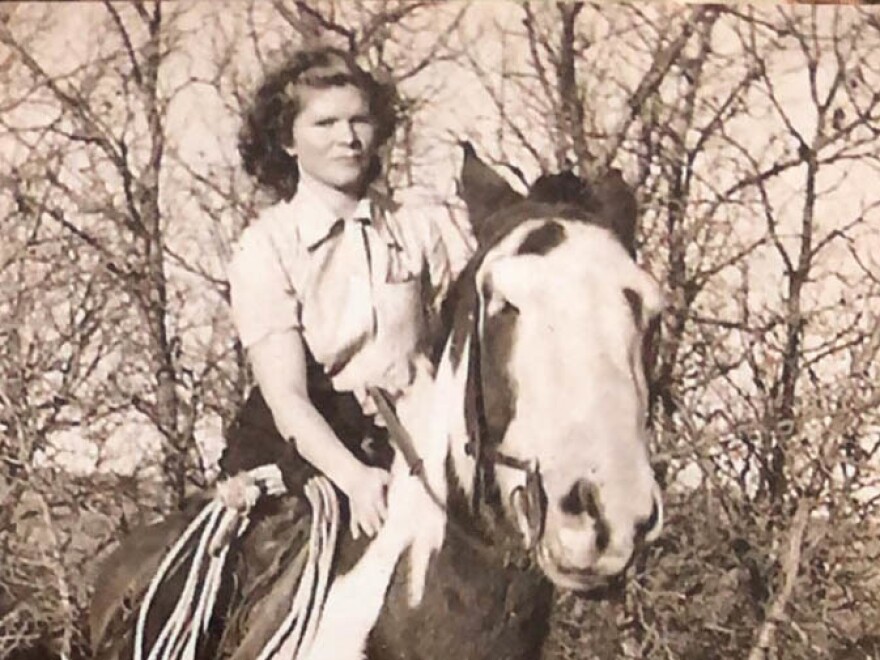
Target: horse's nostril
(584,498)
(580,499)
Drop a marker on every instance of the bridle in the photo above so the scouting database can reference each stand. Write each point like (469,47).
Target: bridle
(532,506)
(526,500)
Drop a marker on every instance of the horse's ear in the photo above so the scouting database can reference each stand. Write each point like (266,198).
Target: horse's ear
(619,207)
(483,191)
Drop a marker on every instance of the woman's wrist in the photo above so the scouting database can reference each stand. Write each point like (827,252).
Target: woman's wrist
(316,443)
(348,474)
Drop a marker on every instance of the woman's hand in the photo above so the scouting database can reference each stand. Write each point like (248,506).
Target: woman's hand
(367,500)
(279,363)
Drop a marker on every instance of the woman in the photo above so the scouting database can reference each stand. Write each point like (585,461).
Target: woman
(333,288)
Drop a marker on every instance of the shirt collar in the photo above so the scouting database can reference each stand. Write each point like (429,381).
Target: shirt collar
(319,219)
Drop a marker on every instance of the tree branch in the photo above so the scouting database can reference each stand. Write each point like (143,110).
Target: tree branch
(126,40)
(765,641)
(663,62)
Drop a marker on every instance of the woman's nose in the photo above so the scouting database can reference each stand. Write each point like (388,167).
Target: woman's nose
(348,134)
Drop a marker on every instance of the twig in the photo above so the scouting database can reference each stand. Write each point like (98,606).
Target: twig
(776,614)
(64,595)
(663,62)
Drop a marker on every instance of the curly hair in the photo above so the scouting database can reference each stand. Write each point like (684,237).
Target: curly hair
(268,124)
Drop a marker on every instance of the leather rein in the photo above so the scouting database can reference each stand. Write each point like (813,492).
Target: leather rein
(486,458)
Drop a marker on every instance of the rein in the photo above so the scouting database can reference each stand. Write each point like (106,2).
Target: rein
(531,491)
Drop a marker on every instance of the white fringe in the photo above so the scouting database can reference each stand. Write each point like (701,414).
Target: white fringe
(216,525)
(294,637)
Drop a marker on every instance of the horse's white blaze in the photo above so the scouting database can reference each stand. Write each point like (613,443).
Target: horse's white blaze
(580,390)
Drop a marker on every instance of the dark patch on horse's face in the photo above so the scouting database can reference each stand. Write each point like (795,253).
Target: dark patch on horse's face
(649,326)
(498,385)
(457,315)
(543,239)
(499,225)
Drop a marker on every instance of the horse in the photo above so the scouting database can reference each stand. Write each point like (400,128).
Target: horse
(522,459)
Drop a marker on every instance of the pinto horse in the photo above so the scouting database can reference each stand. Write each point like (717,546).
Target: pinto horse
(522,461)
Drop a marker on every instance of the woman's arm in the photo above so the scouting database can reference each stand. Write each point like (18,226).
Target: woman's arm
(279,365)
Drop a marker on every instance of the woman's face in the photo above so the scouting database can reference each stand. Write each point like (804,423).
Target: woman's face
(334,136)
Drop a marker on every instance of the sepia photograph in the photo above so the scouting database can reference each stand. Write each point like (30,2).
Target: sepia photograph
(439,329)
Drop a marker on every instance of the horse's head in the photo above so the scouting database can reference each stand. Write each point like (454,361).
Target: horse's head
(552,315)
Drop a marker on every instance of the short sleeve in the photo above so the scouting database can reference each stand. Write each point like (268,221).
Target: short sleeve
(262,295)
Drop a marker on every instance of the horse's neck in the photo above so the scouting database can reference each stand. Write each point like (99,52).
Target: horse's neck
(478,596)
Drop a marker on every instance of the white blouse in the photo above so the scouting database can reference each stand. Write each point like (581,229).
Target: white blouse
(360,291)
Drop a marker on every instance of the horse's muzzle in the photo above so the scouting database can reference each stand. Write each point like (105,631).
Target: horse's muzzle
(582,546)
